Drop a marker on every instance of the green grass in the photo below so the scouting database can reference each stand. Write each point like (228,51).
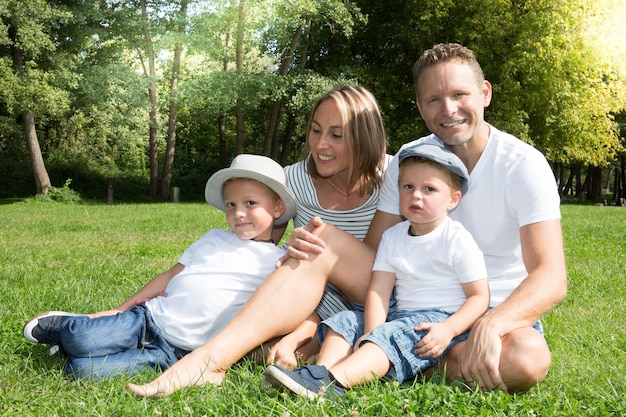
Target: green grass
(85,258)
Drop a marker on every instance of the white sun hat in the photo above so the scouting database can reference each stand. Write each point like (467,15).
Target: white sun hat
(258,168)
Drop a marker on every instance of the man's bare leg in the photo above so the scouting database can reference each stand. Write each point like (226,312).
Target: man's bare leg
(524,362)
(285,299)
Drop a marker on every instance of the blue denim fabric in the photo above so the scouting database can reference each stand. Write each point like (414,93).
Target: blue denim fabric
(396,337)
(125,343)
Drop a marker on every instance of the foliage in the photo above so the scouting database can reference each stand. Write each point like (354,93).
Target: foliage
(556,68)
(60,195)
(86,258)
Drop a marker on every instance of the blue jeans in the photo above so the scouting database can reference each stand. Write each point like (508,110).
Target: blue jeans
(126,343)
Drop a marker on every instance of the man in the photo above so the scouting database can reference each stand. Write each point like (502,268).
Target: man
(512,210)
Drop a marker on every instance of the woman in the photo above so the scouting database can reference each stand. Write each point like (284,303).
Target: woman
(338,180)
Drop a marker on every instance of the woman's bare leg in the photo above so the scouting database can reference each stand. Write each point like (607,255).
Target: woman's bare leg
(285,299)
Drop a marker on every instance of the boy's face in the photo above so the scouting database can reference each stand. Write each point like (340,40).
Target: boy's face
(425,196)
(452,101)
(251,208)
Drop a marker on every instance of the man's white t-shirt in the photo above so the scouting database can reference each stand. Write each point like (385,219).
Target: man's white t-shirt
(221,273)
(511,186)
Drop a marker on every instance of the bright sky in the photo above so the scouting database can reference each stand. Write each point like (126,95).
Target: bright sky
(609,26)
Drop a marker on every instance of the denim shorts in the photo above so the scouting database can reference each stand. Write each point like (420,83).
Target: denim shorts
(396,337)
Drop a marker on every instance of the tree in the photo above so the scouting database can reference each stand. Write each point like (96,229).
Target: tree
(28,27)
(293,20)
(168,163)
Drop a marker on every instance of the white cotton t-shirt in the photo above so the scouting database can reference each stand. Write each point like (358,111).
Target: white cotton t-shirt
(221,273)
(355,221)
(511,186)
(430,269)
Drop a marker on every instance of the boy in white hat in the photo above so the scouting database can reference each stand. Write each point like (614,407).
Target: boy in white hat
(193,300)
(440,281)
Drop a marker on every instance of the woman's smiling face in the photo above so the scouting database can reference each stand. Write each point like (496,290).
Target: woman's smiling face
(326,142)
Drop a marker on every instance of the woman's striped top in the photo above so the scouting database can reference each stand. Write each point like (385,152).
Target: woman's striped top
(355,221)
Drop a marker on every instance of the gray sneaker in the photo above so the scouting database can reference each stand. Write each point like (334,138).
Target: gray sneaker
(44,328)
(313,382)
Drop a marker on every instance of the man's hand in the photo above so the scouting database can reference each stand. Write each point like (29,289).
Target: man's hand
(479,360)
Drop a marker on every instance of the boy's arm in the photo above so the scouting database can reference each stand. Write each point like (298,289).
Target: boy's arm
(155,287)
(377,301)
(381,222)
(439,335)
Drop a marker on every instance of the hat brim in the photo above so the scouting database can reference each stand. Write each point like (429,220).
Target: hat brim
(213,191)
(442,156)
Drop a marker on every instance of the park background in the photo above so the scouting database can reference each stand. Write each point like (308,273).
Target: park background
(154,95)
(138,97)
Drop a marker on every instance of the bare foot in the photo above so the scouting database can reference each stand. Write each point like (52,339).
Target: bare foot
(191,371)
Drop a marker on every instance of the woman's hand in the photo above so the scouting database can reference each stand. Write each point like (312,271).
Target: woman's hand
(303,241)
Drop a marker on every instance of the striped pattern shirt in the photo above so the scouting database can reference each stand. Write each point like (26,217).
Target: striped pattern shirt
(355,221)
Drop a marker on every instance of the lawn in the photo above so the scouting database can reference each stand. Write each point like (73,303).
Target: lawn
(85,258)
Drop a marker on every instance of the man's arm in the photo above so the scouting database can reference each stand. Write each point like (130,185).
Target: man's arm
(546,283)
(544,287)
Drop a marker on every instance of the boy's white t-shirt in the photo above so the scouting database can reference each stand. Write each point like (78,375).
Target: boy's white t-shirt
(511,186)
(430,269)
(221,272)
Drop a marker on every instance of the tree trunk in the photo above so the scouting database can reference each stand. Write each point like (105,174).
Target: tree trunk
(567,188)
(289,131)
(221,128)
(580,187)
(170,149)
(40,174)
(620,182)
(239,120)
(221,119)
(560,168)
(153,152)
(269,145)
(42,180)
(595,188)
